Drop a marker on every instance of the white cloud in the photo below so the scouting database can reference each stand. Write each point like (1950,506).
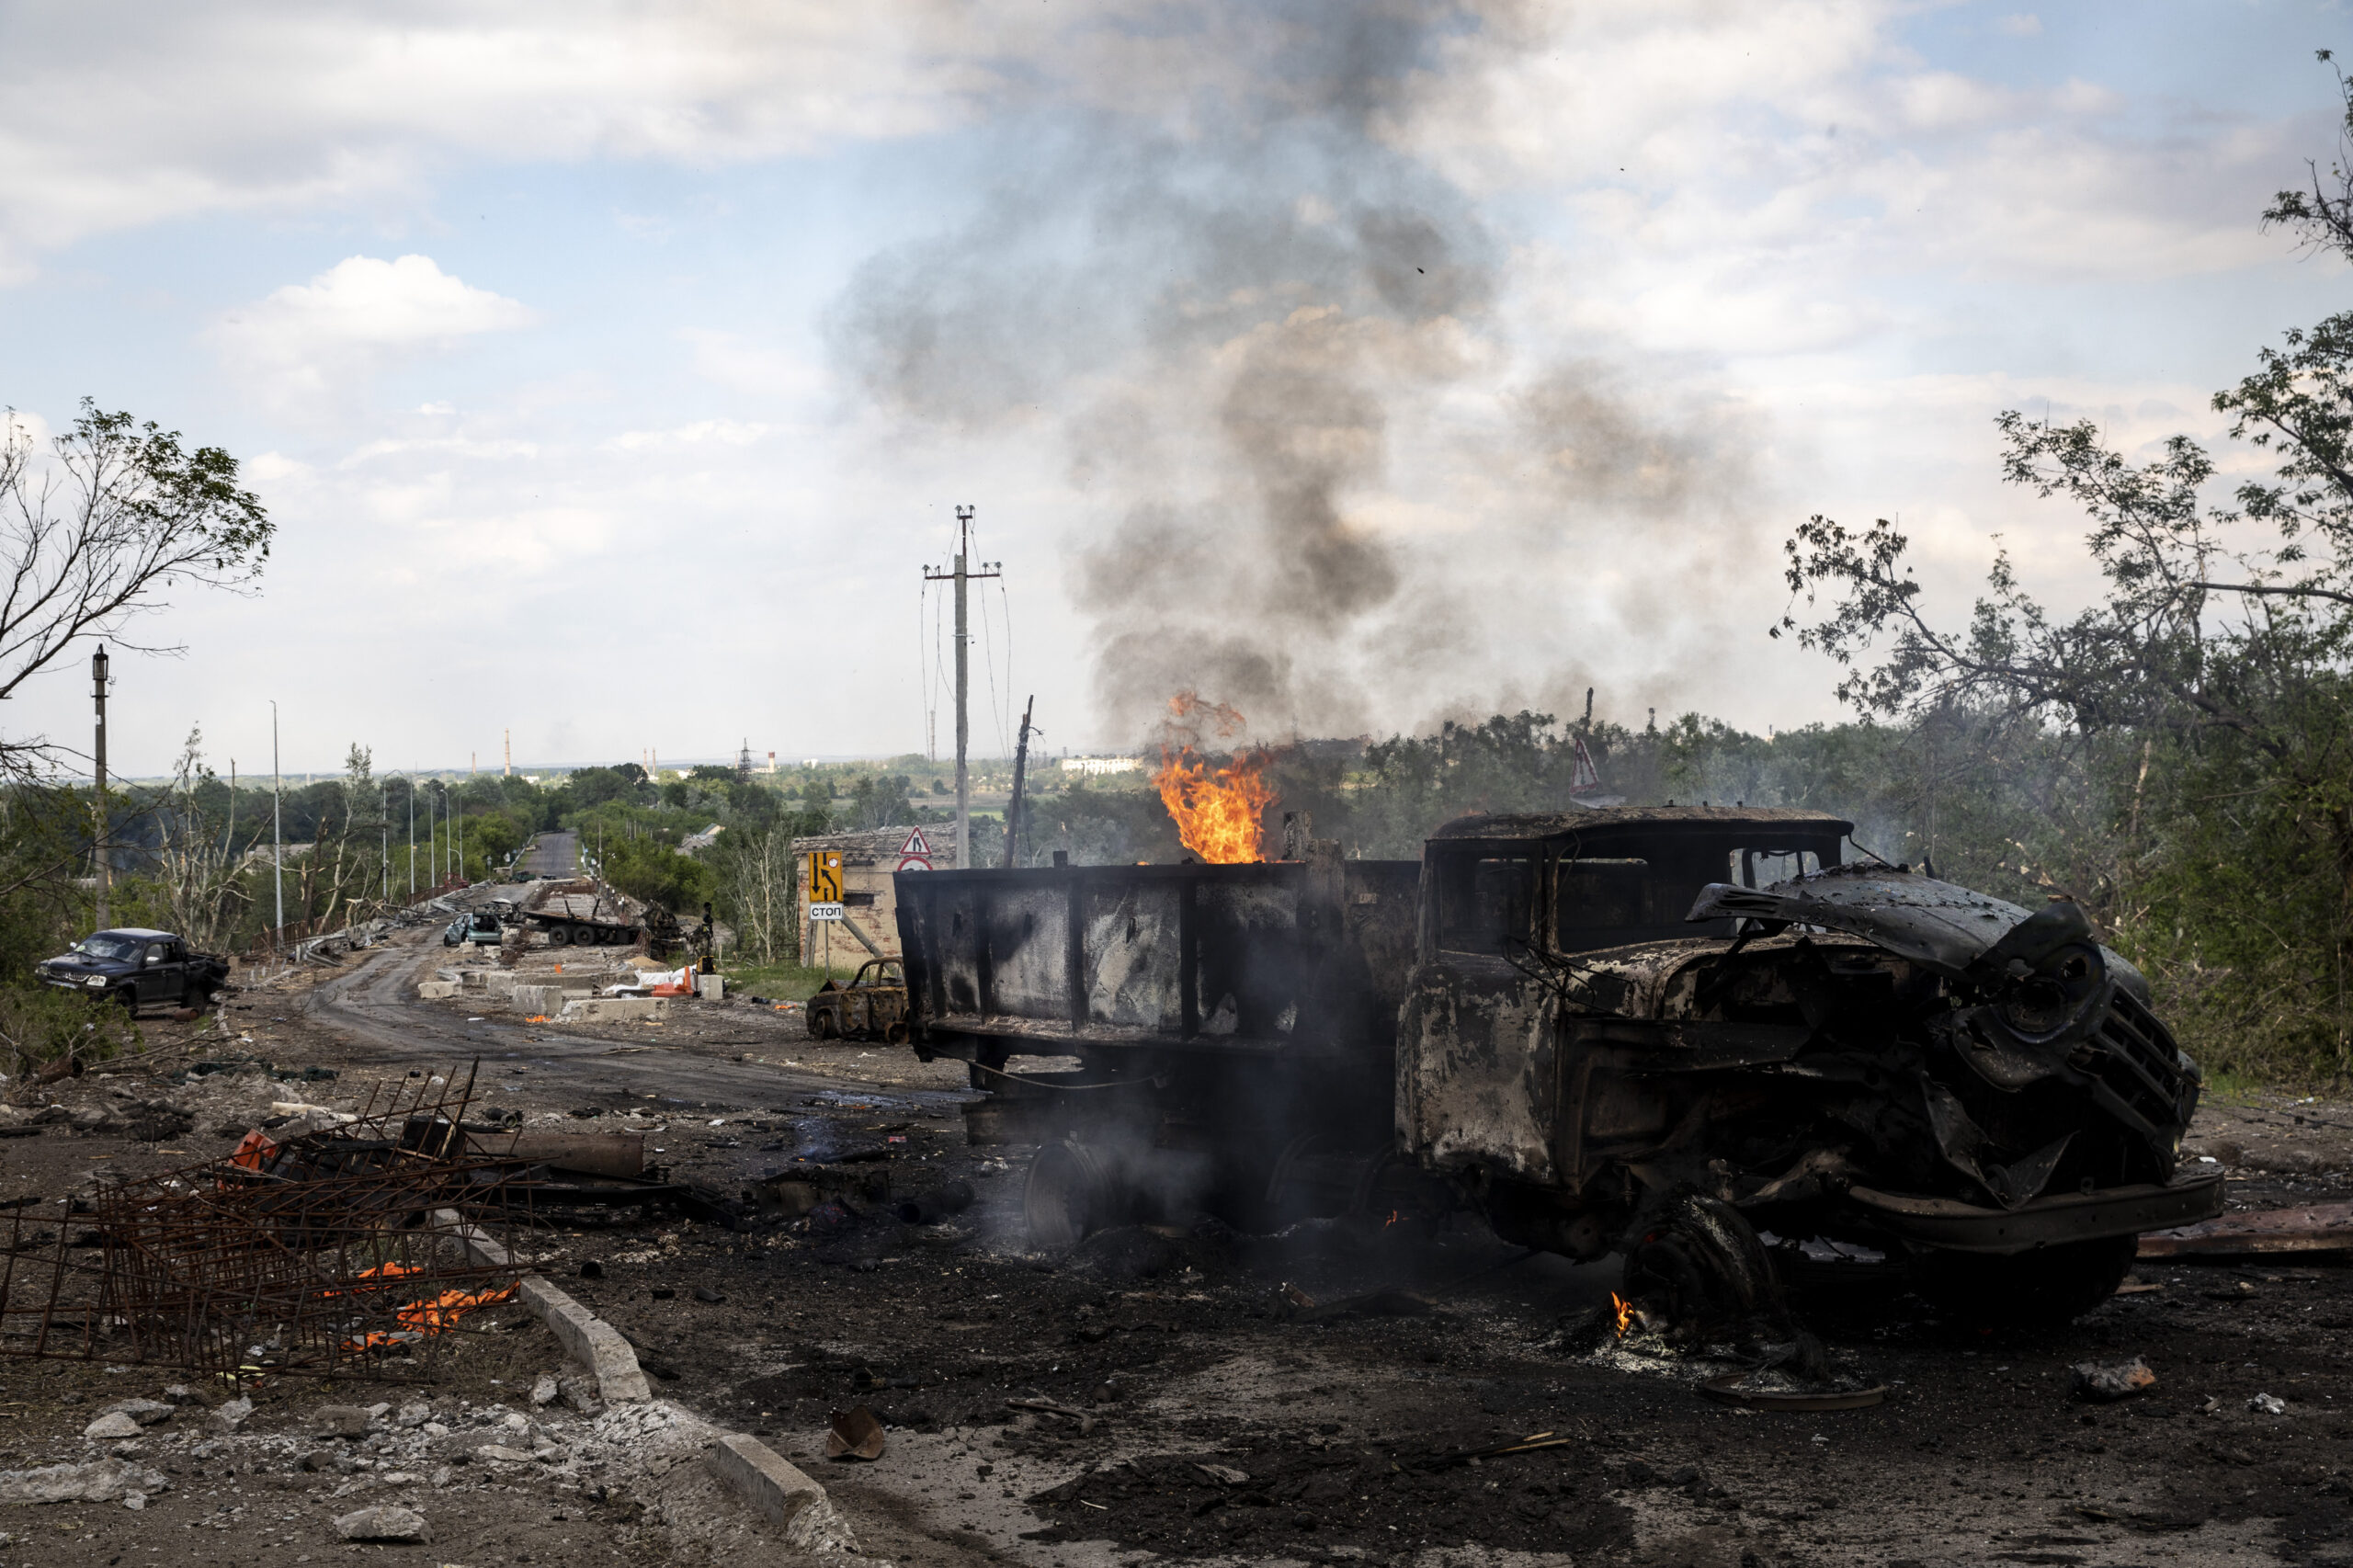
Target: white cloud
(702,433)
(312,341)
(1801,135)
(2020,24)
(115,118)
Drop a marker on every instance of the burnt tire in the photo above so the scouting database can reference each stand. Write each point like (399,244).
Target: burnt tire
(2049,1285)
(1068,1197)
(558,936)
(824,1026)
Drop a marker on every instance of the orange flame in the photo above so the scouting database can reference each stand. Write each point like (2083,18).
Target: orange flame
(1217,810)
(419,1318)
(1625,1310)
(1392,1219)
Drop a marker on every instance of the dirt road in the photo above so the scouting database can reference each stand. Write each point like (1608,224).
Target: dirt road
(1223,1423)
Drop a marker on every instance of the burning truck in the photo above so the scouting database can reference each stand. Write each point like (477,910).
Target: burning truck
(1578,1025)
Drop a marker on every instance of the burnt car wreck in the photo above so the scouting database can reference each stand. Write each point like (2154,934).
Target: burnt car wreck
(1587,1028)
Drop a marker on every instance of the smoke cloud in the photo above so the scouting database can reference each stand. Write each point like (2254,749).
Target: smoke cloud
(1275,346)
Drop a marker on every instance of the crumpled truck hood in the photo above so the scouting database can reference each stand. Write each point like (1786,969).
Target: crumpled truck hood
(1948,928)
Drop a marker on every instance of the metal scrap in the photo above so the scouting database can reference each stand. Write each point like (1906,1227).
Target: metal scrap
(2311,1227)
(363,1242)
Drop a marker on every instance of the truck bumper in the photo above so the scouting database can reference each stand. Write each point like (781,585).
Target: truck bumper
(1955,1226)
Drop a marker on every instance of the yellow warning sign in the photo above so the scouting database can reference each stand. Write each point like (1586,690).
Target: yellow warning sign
(825,877)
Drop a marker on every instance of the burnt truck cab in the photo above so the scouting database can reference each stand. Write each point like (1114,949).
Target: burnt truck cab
(1609,1007)
(136,968)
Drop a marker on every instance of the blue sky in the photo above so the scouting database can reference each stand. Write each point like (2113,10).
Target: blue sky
(612,370)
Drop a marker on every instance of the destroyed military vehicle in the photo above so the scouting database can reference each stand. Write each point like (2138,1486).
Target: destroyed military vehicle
(1571,1025)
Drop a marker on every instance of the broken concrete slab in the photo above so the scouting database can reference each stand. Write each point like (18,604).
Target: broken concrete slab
(105,1480)
(536,1000)
(113,1424)
(437,990)
(614,1009)
(146,1412)
(779,1493)
(339,1421)
(383,1522)
(589,1340)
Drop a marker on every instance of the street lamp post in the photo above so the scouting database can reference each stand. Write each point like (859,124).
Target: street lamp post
(106,870)
(276,822)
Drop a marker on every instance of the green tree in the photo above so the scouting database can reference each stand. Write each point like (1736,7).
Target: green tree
(127,514)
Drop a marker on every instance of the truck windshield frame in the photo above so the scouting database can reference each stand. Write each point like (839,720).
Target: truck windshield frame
(1485,898)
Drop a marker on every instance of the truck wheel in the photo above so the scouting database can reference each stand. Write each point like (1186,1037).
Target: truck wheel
(2047,1286)
(1067,1197)
(558,936)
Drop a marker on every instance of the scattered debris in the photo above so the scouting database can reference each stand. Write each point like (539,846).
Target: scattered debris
(106,1481)
(1737,1389)
(386,1523)
(1086,1424)
(349,1239)
(856,1435)
(2268,1405)
(2105,1383)
(2311,1227)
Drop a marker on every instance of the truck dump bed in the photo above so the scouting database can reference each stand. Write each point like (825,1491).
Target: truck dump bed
(1293,959)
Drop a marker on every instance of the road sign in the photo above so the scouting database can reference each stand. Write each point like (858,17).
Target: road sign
(825,911)
(824,883)
(916,844)
(914,863)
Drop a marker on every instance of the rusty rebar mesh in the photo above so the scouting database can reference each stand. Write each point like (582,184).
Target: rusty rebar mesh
(368,1242)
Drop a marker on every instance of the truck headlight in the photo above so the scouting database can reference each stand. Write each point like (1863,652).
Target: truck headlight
(96,980)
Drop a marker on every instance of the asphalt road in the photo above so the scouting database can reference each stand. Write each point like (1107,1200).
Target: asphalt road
(552,855)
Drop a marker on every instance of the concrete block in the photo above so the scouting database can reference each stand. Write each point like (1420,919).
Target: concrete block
(534,1000)
(589,1340)
(437,990)
(474,979)
(778,1492)
(614,1009)
(500,983)
(711,987)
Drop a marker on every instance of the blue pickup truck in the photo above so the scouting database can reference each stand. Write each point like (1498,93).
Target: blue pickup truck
(138,969)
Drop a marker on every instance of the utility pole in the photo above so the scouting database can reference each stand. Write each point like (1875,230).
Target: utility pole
(411,836)
(964,573)
(277,821)
(229,838)
(1020,768)
(511,755)
(385,821)
(106,871)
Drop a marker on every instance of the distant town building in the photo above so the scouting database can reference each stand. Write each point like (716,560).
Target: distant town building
(1099,764)
(703,840)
